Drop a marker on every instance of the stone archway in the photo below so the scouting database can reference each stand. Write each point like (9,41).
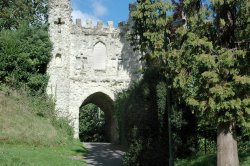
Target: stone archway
(106,104)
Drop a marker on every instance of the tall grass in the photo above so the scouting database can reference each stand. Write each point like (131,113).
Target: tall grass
(31,120)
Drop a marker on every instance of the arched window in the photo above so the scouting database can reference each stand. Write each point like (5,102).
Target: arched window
(100,55)
(58,60)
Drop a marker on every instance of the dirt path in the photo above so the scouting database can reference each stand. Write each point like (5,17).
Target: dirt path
(104,154)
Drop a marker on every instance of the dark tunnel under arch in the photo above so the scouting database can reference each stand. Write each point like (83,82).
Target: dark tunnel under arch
(106,104)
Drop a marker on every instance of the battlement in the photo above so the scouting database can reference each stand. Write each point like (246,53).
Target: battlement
(88,27)
(100,28)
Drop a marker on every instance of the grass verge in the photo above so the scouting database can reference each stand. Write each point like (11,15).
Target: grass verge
(31,120)
(26,155)
(32,134)
(210,160)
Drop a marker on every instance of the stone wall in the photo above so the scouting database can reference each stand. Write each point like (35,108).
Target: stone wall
(86,60)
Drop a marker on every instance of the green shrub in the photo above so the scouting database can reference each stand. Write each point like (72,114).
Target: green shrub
(24,55)
(92,124)
(243,137)
(142,117)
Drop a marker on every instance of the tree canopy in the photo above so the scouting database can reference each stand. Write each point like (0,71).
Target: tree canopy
(24,43)
(206,59)
(14,12)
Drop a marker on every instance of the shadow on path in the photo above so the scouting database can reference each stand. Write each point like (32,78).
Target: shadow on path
(105,154)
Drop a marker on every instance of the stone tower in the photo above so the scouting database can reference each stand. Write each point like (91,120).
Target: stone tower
(89,64)
(60,22)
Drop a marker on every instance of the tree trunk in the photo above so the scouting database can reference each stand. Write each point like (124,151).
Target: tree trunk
(227,152)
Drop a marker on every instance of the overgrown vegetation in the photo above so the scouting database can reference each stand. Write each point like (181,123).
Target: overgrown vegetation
(91,124)
(31,133)
(202,54)
(143,123)
(24,55)
(13,13)
(31,120)
(195,85)
(24,44)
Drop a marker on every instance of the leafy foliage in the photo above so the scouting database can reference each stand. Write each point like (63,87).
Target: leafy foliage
(211,83)
(14,12)
(24,56)
(92,124)
(24,44)
(212,72)
(143,124)
(205,61)
(148,30)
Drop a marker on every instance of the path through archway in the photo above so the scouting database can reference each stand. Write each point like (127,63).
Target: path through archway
(106,104)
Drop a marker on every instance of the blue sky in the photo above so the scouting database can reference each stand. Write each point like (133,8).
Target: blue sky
(105,10)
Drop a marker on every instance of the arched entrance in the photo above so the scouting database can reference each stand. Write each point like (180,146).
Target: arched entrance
(106,104)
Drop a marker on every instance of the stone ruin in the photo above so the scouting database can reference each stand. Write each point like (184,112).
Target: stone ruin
(89,64)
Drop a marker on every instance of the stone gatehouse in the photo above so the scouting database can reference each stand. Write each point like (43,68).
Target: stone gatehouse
(89,64)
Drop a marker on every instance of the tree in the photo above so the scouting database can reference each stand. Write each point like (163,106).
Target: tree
(14,12)
(206,61)
(149,35)
(212,68)
(142,118)
(24,43)
(148,30)
(24,56)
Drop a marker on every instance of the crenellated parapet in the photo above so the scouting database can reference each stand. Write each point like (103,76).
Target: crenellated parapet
(99,29)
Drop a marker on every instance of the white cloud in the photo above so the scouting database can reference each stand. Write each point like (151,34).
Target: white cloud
(99,9)
(84,17)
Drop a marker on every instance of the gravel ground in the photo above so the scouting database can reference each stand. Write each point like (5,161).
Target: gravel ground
(103,154)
